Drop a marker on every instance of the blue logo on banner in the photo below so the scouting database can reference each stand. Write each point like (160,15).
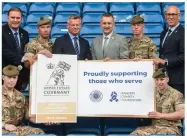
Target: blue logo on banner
(114,96)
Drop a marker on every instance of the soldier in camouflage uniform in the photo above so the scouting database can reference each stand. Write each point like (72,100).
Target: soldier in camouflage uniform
(41,44)
(140,46)
(14,106)
(169,108)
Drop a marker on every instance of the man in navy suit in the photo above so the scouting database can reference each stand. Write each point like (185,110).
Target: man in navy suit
(72,43)
(14,39)
(172,49)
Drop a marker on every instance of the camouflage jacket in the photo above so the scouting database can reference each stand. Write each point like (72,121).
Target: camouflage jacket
(144,48)
(15,109)
(38,44)
(171,101)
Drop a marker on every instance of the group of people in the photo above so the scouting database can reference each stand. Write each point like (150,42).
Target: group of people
(17,50)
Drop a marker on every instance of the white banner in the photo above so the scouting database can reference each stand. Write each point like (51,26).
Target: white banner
(115,89)
(54,89)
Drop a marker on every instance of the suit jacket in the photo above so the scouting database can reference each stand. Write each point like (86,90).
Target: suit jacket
(64,45)
(117,47)
(173,50)
(9,53)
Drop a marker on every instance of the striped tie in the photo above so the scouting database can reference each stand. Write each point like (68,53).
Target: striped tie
(105,46)
(76,47)
(17,41)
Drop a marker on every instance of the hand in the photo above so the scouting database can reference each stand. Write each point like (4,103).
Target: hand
(158,61)
(155,115)
(47,53)
(106,59)
(49,123)
(137,59)
(28,61)
(10,127)
(86,59)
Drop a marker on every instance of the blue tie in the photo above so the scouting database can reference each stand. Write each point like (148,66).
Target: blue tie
(17,41)
(76,47)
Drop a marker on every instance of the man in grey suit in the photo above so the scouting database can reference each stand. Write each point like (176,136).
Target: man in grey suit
(110,45)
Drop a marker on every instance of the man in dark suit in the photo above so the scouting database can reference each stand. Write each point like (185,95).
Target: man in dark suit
(72,43)
(172,49)
(14,39)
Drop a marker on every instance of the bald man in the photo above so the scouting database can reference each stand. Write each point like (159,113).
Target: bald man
(172,49)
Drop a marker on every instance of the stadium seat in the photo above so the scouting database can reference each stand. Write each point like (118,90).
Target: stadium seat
(94,8)
(84,125)
(122,7)
(153,31)
(182,20)
(183,127)
(61,19)
(124,30)
(157,42)
(122,19)
(90,31)
(58,31)
(22,6)
(180,5)
(68,8)
(155,19)
(91,19)
(119,125)
(33,19)
(148,8)
(53,39)
(47,3)
(32,30)
(46,9)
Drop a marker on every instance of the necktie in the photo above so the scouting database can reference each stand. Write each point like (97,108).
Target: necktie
(105,46)
(169,32)
(17,41)
(76,47)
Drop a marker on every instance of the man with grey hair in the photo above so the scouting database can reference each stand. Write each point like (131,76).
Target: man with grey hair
(171,50)
(72,43)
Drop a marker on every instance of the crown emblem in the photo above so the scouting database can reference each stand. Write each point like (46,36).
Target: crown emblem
(50,66)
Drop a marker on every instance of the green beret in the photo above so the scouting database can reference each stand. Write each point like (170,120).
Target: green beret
(137,19)
(160,73)
(11,70)
(44,21)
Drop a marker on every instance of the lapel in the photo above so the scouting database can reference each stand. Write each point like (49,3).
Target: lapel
(110,43)
(70,43)
(100,46)
(81,44)
(11,37)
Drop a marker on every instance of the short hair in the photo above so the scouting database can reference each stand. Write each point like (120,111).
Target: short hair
(73,17)
(107,15)
(15,9)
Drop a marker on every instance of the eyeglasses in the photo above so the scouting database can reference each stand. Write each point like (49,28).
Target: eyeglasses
(171,14)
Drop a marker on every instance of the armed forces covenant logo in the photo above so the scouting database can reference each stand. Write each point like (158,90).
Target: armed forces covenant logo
(96,96)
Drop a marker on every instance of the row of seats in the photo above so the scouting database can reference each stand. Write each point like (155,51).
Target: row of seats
(75,8)
(94,126)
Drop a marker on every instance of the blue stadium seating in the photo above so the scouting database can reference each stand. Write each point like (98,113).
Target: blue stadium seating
(84,125)
(122,19)
(90,31)
(33,19)
(148,8)
(182,20)
(46,3)
(119,125)
(61,19)
(22,6)
(155,19)
(58,31)
(91,19)
(69,8)
(180,5)
(46,9)
(183,127)
(53,39)
(32,30)
(157,42)
(94,8)
(153,31)
(122,7)
(125,30)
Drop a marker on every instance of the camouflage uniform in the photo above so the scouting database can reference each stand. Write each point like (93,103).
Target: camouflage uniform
(38,44)
(171,101)
(144,48)
(14,111)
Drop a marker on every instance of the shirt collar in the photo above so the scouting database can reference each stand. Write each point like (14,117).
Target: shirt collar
(13,31)
(72,36)
(109,36)
(173,28)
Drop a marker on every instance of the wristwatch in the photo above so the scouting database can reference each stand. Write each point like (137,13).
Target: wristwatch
(166,61)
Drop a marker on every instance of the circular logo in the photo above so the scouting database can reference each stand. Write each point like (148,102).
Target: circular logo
(96,96)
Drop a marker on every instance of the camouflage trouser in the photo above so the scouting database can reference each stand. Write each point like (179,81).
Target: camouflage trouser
(148,130)
(24,130)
